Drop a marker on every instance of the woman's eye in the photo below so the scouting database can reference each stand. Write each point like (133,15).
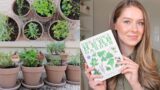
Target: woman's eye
(141,23)
(127,22)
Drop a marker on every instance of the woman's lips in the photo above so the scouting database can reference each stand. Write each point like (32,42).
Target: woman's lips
(133,37)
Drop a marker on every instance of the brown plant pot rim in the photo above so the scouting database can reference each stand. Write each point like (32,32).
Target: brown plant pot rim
(32,69)
(72,67)
(55,68)
(9,70)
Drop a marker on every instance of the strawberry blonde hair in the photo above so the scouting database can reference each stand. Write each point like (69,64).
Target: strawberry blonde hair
(148,72)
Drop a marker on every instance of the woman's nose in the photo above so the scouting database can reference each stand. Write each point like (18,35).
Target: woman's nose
(134,27)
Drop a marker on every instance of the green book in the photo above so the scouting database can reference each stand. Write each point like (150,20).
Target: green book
(102,52)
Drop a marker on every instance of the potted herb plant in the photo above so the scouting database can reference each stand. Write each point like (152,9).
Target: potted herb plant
(57,48)
(55,68)
(32,67)
(59,30)
(9,29)
(44,9)
(33,30)
(8,71)
(21,8)
(73,71)
(70,9)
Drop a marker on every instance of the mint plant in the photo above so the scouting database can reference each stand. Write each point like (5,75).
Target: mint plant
(45,8)
(29,58)
(60,29)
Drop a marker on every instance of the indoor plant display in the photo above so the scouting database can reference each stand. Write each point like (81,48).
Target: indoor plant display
(70,9)
(32,67)
(59,30)
(73,69)
(33,30)
(55,69)
(8,71)
(44,8)
(9,29)
(21,7)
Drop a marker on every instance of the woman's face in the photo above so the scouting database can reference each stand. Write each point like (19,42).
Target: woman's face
(130,26)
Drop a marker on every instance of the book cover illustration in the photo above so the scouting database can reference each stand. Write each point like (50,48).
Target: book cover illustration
(101,51)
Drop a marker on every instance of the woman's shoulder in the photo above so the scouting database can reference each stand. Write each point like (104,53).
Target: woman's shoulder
(157,57)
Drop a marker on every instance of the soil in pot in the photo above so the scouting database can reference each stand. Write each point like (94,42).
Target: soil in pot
(24,9)
(12,23)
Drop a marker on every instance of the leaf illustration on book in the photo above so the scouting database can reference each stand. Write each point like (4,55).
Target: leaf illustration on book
(96,72)
(94,61)
(108,68)
(111,62)
(102,55)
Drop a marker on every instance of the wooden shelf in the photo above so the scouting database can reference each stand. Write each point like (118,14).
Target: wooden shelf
(39,44)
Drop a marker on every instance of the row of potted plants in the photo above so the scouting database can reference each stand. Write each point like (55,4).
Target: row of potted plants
(32,66)
(46,9)
(32,29)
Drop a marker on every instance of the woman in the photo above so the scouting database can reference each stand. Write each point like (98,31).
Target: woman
(130,26)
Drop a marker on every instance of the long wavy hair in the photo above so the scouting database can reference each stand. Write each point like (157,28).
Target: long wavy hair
(148,71)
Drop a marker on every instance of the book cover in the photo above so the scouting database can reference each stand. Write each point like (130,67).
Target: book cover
(102,52)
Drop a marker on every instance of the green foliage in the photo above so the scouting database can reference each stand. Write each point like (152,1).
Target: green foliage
(60,29)
(70,7)
(55,47)
(20,4)
(5,29)
(32,31)
(44,7)
(54,60)
(94,62)
(29,58)
(5,60)
(74,60)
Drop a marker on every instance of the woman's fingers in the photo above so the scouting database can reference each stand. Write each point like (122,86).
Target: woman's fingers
(127,61)
(88,70)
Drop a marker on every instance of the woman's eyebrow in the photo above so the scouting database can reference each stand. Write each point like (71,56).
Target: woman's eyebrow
(132,19)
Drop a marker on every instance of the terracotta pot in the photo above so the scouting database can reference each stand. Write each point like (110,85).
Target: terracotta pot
(55,73)
(73,73)
(32,75)
(8,77)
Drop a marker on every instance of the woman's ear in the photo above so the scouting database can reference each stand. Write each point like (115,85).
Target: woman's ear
(114,26)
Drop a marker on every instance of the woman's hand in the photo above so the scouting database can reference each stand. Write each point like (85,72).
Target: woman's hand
(95,85)
(130,70)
